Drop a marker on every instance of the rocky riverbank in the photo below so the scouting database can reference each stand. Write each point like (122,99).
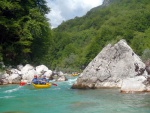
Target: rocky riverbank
(26,73)
(116,66)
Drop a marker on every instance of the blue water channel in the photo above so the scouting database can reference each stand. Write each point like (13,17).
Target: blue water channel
(63,99)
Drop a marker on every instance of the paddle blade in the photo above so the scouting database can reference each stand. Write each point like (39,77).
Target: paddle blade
(22,83)
(54,84)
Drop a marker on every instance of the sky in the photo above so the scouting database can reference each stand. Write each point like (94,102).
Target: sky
(62,10)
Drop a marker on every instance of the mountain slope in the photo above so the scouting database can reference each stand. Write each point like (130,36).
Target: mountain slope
(79,40)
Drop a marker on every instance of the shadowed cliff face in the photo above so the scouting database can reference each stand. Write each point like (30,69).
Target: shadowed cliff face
(147,63)
(113,64)
(1,82)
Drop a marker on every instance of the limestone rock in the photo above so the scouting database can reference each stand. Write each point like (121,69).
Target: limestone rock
(41,69)
(19,67)
(61,78)
(26,68)
(48,73)
(4,81)
(135,84)
(1,82)
(148,69)
(60,73)
(11,76)
(14,79)
(113,64)
(28,72)
(147,63)
(15,71)
(5,75)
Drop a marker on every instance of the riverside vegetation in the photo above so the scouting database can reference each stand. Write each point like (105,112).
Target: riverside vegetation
(26,36)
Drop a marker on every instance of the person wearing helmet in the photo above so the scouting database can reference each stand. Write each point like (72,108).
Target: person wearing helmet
(35,80)
(44,80)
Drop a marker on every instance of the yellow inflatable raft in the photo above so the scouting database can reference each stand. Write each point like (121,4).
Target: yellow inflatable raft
(47,85)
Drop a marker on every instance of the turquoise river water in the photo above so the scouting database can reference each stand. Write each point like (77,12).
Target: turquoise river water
(63,99)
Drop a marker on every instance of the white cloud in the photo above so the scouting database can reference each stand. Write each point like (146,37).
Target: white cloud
(62,10)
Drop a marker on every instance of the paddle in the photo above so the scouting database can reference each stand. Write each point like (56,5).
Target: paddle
(54,84)
(22,83)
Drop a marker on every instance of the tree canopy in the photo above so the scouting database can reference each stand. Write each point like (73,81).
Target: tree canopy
(25,31)
(26,36)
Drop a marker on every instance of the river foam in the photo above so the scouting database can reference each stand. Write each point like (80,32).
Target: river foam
(12,90)
(7,97)
(71,81)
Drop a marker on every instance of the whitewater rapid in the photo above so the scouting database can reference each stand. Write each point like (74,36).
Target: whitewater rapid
(13,90)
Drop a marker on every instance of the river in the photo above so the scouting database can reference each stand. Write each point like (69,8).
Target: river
(63,99)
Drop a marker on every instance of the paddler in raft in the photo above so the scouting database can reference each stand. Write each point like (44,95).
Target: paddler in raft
(35,80)
(44,80)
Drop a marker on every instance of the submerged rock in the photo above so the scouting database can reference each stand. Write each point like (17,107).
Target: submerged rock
(110,67)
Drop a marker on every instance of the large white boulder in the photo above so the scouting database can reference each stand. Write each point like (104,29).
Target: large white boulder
(19,67)
(11,76)
(28,72)
(113,64)
(61,78)
(15,71)
(48,73)
(29,75)
(4,81)
(5,75)
(26,68)
(41,69)
(135,84)
(14,78)
(60,73)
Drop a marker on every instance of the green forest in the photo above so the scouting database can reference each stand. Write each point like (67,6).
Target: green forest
(26,36)
(25,32)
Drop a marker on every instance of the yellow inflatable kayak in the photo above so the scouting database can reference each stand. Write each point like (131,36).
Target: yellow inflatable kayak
(47,85)
(74,74)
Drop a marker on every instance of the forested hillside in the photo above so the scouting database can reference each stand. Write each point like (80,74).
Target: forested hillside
(26,36)
(78,41)
(25,33)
